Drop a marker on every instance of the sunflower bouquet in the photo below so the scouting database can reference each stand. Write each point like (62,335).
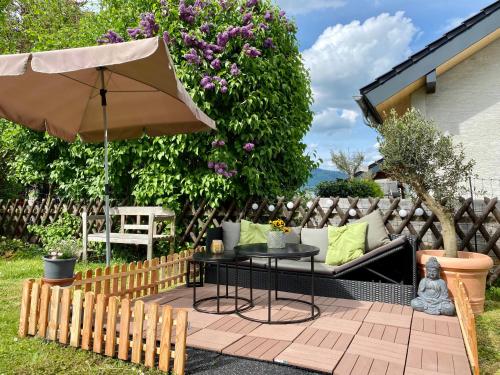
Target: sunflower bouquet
(278,225)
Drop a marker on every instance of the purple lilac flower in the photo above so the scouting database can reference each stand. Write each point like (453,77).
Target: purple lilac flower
(222,39)
(246,31)
(205,28)
(248,147)
(247,18)
(135,32)
(223,89)
(233,31)
(235,70)
(218,143)
(268,16)
(208,54)
(199,4)
(216,64)
(223,82)
(192,57)
(251,51)
(211,164)
(268,43)
(215,48)
(187,13)
(110,37)
(263,26)
(149,25)
(251,3)
(282,13)
(166,37)
(207,84)
(188,39)
(224,4)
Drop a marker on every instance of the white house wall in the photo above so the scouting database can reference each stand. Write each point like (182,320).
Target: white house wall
(467,105)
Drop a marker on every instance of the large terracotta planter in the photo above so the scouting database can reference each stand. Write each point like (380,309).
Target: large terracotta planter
(471,267)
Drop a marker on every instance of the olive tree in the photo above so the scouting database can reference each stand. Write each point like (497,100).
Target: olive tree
(417,153)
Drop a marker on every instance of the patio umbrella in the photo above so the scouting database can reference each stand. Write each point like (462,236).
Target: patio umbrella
(111,92)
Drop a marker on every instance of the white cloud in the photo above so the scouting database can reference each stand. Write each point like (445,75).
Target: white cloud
(331,119)
(295,7)
(346,57)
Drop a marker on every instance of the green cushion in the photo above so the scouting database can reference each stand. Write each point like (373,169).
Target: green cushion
(345,243)
(376,234)
(253,233)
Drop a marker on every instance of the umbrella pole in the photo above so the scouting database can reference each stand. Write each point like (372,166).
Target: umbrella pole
(106,176)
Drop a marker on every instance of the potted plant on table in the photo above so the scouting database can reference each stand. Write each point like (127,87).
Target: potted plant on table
(276,235)
(59,263)
(418,154)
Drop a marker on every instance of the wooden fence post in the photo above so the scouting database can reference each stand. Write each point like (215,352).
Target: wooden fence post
(25,308)
(180,342)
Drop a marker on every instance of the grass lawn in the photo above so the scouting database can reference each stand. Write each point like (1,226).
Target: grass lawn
(35,356)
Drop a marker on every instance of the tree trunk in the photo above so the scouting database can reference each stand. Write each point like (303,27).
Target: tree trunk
(447,224)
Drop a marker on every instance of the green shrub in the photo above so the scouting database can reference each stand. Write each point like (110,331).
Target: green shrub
(52,235)
(349,188)
(13,248)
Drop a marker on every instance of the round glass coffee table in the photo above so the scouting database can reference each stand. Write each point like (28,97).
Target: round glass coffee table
(227,257)
(290,251)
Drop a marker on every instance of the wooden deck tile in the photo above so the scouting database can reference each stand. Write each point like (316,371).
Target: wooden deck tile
(403,321)
(201,320)
(256,347)
(346,364)
(379,367)
(444,344)
(365,305)
(378,349)
(337,325)
(428,360)
(362,366)
(318,359)
(209,339)
(284,332)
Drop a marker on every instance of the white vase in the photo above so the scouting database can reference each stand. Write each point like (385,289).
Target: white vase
(276,240)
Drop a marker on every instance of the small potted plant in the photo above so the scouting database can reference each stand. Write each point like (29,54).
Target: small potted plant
(418,154)
(59,263)
(276,235)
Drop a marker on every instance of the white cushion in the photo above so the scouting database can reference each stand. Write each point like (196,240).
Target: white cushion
(230,234)
(316,237)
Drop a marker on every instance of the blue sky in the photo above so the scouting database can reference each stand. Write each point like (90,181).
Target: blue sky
(346,44)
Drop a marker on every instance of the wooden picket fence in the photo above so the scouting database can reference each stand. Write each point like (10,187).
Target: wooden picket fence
(100,312)
(136,279)
(467,325)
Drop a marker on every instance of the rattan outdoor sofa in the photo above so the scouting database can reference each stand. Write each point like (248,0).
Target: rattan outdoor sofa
(387,274)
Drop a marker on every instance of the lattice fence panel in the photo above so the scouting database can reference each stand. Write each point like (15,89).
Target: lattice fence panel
(477,222)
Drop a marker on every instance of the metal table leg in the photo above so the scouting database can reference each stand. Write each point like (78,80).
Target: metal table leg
(276,279)
(269,291)
(218,288)
(312,286)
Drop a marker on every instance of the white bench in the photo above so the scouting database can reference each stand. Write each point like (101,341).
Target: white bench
(145,232)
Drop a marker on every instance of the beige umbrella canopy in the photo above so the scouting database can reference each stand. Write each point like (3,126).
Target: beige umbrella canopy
(111,92)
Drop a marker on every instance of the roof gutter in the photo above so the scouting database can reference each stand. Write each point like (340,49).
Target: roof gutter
(371,117)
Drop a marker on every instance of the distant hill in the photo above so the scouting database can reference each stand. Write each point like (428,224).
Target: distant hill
(320,175)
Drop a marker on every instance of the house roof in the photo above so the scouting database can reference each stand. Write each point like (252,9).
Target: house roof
(427,60)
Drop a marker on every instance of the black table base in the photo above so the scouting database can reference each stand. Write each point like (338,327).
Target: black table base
(315,311)
(218,297)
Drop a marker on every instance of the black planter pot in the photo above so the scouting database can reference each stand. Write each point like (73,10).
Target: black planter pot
(58,268)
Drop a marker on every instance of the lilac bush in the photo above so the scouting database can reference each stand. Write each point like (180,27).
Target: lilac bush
(239,61)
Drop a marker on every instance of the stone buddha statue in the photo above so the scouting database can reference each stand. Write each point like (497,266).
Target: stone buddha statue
(433,293)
